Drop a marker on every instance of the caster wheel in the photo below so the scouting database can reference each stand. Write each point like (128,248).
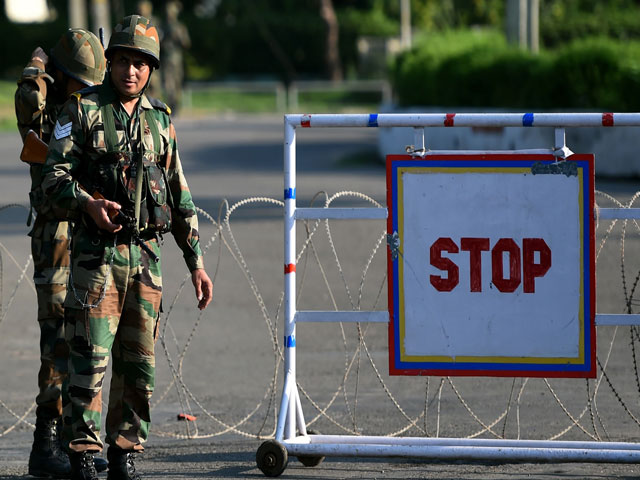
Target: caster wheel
(272,458)
(311,460)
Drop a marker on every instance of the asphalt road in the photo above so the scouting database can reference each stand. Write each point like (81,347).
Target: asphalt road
(224,368)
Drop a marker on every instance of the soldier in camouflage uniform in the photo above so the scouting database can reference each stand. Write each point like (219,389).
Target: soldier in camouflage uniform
(121,147)
(76,61)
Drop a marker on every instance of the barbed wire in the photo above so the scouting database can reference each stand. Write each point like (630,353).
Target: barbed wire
(263,413)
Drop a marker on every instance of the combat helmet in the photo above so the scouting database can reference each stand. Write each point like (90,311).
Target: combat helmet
(136,33)
(80,55)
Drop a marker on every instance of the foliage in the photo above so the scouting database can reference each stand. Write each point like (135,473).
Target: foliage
(7,112)
(477,71)
(285,39)
(421,73)
(367,22)
(436,15)
(250,38)
(18,41)
(560,28)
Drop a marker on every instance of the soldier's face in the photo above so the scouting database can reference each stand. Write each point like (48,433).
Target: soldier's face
(129,72)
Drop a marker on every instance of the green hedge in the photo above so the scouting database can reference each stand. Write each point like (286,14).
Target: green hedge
(478,69)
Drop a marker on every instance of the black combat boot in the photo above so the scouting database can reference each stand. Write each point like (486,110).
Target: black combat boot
(47,459)
(121,465)
(100,463)
(82,466)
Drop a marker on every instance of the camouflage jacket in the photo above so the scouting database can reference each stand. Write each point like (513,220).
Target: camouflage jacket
(35,111)
(32,110)
(78,143)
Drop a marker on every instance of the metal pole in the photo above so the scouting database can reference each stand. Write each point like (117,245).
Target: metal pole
(533,25)
(405,23)
(466,120)
(516,22)
(290,272)
(100,17)
(468,452)
(302,426)
(463,442)
(285,403)
(77,13)
(433,448)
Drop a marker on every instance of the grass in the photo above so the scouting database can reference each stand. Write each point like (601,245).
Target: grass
(227,100)
(7,112)
(338,102)
(212,101)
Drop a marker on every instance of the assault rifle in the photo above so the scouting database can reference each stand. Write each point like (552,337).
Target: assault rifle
(34,151)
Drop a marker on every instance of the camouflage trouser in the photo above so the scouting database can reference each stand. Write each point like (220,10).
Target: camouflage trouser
(124,324)
(49,249)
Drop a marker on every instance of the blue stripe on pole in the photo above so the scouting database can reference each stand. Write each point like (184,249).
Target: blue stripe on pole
(373,120)
(289,193)
(290,341)
(527,120)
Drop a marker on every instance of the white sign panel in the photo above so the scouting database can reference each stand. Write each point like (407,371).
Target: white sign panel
(492,273)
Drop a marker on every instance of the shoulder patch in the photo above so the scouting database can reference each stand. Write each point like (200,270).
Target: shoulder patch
(83,92)
(158,105)
(88,90)
(62,131)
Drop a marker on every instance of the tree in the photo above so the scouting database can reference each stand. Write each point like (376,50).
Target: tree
(332,51)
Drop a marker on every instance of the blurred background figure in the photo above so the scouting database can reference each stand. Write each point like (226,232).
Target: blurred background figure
(173,41)
(144,8)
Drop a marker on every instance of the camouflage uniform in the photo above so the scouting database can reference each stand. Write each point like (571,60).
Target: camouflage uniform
(49,243)
(37,106)
(114,304)
(77,59)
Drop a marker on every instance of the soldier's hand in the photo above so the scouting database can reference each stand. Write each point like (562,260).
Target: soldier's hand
(203,286)
(38,54)
(99,210)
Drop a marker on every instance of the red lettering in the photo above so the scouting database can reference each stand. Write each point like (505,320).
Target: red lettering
(453,275)
(521,270)
(497,268)
(475,247)
(530,269)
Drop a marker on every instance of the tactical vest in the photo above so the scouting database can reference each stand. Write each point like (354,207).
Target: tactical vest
(114,174)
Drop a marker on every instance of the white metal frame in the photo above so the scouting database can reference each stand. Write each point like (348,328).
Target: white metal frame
(291,418)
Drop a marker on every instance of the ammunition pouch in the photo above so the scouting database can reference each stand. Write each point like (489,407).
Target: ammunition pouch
(114,176)
(158,199)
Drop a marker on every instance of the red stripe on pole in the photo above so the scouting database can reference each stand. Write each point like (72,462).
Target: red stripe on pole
(448,121)
(289,268)
(306,121)
(607,119)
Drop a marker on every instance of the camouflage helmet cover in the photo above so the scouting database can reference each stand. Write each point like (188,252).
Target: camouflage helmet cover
(136,33)
(80,55)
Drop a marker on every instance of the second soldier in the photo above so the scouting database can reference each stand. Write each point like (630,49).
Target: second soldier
(113,158)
